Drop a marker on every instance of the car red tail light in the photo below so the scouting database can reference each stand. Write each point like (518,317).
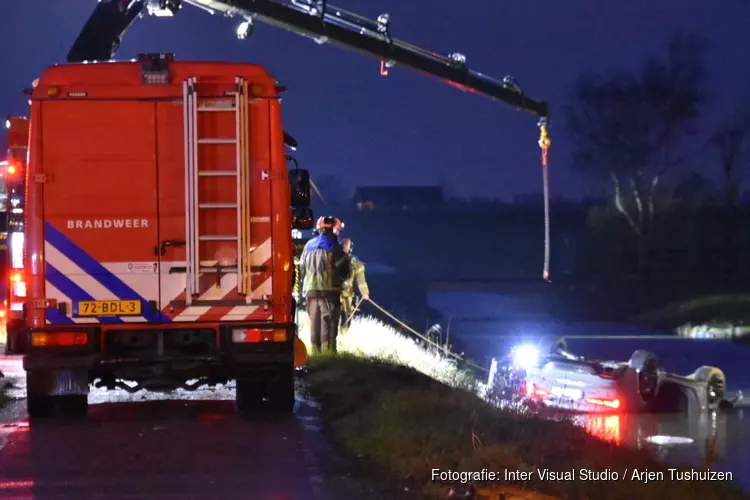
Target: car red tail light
(532,391)
(610,403)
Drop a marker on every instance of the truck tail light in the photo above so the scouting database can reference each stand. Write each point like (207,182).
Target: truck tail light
(240,335)
(59,339)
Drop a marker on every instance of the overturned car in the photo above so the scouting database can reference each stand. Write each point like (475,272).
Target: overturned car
(546,374)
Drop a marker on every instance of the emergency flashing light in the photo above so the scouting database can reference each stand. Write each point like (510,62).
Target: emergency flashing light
(11,169)
(16,278)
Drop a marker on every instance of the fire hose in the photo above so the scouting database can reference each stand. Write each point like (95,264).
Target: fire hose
(417,334)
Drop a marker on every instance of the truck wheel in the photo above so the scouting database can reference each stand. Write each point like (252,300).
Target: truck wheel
(14,342)
(40,406)
(10,342)
(73,406)
(282,391)
(38,403)
(249,395)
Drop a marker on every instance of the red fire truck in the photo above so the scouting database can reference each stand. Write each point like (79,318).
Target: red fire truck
(12,187)
(158,232)
(160,208)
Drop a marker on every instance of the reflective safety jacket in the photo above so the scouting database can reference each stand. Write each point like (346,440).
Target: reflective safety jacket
(357,273)
(323,267)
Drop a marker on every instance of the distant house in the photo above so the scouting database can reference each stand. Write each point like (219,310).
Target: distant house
(380,198)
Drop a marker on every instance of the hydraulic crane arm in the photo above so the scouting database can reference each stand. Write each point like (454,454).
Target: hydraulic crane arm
(100,37)
(316,19)
(324,23)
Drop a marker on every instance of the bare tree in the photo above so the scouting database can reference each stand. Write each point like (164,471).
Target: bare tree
(731,143)
(626,129)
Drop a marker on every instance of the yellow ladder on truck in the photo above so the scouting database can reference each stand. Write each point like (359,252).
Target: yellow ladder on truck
(193,174)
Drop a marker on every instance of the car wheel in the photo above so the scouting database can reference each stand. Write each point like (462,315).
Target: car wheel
(550,344)
(716,385)
(646,366)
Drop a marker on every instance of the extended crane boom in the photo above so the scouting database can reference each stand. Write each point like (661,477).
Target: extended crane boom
(316,19)
(324,23)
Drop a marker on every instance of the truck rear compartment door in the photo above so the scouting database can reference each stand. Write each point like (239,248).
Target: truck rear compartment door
(227,203)
(100,211)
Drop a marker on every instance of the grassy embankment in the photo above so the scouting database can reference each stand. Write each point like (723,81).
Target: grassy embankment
(714,314)
(407,420)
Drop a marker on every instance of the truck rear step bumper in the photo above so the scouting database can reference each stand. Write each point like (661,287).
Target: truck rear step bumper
(95,361)
(209,346)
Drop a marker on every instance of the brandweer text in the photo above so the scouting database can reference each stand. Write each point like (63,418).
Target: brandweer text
(107,223)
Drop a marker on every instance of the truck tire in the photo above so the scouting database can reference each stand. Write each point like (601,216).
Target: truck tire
(282,391)
(73,406)
(248,395)
(14,342)
(39,404)
(716,385)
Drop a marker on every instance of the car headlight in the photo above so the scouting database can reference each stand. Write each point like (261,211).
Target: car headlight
(525,356)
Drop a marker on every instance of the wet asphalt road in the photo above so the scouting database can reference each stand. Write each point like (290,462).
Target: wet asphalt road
(196,447)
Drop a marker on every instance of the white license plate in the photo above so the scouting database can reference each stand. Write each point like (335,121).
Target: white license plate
(568,393)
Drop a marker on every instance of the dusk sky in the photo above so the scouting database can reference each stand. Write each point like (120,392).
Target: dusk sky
(407,128)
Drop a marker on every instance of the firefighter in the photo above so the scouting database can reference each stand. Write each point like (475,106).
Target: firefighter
(357,273)
(323,268)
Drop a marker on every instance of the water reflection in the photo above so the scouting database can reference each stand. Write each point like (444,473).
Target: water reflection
(719,439)
(605,427)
